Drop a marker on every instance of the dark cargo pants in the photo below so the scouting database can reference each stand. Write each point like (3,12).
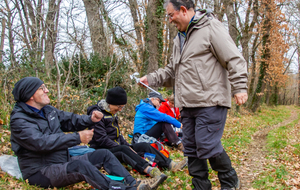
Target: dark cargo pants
(202,132)
(83,168)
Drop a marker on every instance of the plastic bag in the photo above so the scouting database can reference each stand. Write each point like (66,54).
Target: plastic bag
(9,164)
(149,157)
(147,139)
(80,150)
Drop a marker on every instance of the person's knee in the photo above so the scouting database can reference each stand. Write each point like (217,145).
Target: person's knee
(99,156)
(221,163)
(197,168)
(78,166)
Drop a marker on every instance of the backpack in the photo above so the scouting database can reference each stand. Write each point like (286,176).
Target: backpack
(160,147)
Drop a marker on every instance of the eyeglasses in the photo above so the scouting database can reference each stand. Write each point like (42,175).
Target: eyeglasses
(170,15)
(43,87)
(158,100)
(121,107)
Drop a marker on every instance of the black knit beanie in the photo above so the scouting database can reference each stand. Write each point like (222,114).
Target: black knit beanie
(116,96)
(25,88)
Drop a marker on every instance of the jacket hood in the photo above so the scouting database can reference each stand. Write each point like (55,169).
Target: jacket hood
(199,15)
(101,105)
(23,108)
(91,109)
(144,101)
(199,18)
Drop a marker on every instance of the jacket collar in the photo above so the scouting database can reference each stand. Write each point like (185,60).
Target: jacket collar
(197,20)
(22,107)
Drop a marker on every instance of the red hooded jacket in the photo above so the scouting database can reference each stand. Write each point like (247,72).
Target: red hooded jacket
(165,108)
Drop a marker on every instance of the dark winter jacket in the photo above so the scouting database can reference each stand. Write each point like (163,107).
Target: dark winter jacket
(107,131)
(39,142)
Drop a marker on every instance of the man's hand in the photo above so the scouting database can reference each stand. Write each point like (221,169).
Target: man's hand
(144,80)
(240,98)
(96,116)
(86,136)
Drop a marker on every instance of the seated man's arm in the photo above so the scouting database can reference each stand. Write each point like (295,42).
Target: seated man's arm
(73,122)
(156,115)
(30,136)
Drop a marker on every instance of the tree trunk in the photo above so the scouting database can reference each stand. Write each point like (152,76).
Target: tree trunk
(298,74)
(231,18)
(253,67)
(248,27)
(154,35)
(268,94)
(172,34)
(51,24)
(265,56)
(219,9)
(95,23)
(2,38)
(139,58)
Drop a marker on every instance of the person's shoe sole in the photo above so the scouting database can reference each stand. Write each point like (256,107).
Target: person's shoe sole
(144,187)
(162,178)
(186,162)
(238,184)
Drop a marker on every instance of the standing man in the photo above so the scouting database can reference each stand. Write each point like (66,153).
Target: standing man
(206,67)
(39,141)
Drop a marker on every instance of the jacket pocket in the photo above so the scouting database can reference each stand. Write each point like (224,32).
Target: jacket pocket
(214,127)
(201,76)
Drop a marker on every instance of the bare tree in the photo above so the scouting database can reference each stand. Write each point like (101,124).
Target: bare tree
(2,38)
(10,17)
(96,27)
(138,26)
(52,29)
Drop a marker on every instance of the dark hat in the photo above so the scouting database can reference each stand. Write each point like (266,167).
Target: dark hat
(25,88)
(156,95)
(116,96)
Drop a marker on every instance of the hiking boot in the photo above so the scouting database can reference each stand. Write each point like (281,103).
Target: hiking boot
(175,166)
(142,186)
(180,147)
(155,182)
(237,186)
(155,172)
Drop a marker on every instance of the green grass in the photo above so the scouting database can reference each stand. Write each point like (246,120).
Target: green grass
(277,172)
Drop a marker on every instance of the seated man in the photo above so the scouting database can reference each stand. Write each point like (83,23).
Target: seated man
(39,141)
(148,120)
(107,135)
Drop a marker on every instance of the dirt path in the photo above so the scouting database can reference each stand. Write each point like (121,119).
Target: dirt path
(255,157)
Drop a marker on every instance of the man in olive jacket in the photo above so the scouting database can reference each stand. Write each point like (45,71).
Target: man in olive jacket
(207,69)
(39,141)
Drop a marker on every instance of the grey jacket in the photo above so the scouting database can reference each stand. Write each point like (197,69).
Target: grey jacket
(39,142)
(206,69)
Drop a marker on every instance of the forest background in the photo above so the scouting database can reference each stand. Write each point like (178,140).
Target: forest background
(82,48)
